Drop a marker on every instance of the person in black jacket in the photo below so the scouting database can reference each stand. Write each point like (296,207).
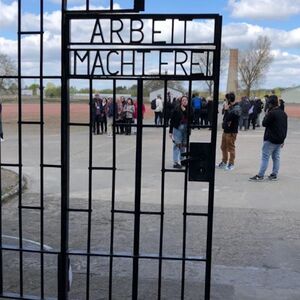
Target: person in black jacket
(178,130)
(275,123)
(232,113)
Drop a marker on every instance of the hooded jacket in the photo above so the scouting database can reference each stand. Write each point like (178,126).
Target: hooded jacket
(275,122)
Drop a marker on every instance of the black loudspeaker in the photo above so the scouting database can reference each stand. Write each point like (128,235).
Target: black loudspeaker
(200,164)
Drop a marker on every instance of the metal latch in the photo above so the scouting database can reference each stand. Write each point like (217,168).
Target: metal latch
(199,161)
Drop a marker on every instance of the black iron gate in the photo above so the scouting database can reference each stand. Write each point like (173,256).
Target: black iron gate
(117,47)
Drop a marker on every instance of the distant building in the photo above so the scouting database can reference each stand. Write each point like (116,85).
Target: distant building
(161,92)
(291,95)
(29,92)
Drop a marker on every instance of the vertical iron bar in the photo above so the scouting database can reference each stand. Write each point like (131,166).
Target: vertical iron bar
(112,222)
(216,76)
(162,195)
(42,145)
(90,194)
(20,150)
(138,185)
(65,162)
(185,198)
(1,254)
(139,5)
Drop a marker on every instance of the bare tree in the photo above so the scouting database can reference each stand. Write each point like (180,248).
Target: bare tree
(206,63)
(7,68)
(254,63)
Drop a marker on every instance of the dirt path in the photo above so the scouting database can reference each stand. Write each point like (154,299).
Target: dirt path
(79,112)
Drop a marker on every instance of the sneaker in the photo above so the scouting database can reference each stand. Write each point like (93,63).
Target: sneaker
(177,166)
(2,140)
(272,177)
(229,167)
(221,165)
(256,178)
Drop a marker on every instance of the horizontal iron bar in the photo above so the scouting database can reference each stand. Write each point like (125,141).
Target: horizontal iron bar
(79,124)
(50,166)
(30,77)
(79,210)
(122,211)
(196,214)
(174,170)
(10,165)
(24,297)
(141,47)
(142,256)
(103,168)
(145,77)
(94,14)
(31,32)
(27,250)
(105,11)
(31,122)
(31,207)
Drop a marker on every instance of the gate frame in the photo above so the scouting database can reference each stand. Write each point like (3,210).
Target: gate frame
(67,16)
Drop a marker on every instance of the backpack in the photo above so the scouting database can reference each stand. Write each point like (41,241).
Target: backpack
(153,104)
(196,103)
(245,106)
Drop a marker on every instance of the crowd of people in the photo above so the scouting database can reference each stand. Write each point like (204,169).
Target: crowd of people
(201,108)
(104,111)
(252,109)
(239,114)
(176,114)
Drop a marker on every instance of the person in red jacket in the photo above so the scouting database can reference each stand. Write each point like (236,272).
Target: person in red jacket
(135,113)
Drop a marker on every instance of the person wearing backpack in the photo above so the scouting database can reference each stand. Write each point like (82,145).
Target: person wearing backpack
(244,119)
(204,112)
(259,107)
(196,104)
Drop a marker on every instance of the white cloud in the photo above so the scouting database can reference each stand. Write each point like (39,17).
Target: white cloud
(264,9)
(239,35)
(285,69)
(8,14)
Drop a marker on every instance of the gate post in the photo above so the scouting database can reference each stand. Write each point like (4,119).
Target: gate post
(138,183)
(216,71)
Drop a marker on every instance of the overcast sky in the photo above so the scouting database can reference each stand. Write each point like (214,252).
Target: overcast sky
(243,22)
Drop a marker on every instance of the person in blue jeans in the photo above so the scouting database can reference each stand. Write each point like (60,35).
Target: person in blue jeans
(178,130)
(275,123)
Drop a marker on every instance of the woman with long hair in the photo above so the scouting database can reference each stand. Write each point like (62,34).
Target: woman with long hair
(178,130)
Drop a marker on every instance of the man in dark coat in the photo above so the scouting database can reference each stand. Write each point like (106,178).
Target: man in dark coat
(275,123)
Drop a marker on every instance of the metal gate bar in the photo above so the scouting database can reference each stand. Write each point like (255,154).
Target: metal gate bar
(216,70)
(65,253)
